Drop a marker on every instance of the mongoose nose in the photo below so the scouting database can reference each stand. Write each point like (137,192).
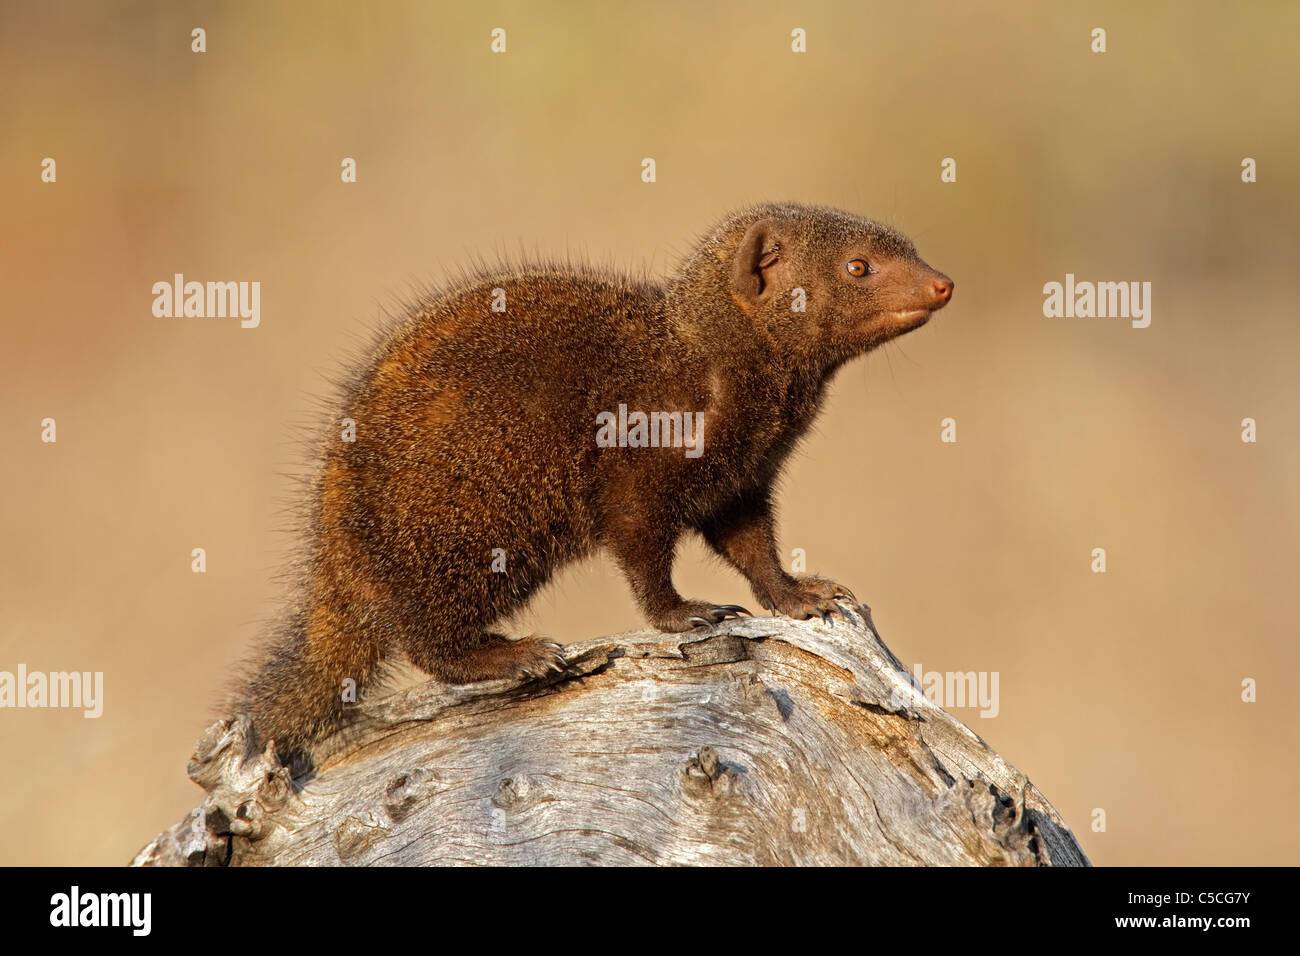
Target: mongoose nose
(943,288)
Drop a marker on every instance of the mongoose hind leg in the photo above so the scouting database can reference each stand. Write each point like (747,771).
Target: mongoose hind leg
(476,657)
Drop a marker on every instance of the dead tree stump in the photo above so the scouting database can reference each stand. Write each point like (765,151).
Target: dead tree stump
(759,741)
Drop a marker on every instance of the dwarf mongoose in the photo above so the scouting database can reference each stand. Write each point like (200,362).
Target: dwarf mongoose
(597,410)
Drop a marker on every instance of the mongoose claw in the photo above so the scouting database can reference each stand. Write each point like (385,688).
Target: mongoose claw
(691,614)
(733,609)
(538,659)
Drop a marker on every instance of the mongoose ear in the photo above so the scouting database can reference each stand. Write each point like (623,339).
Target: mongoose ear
(758,251)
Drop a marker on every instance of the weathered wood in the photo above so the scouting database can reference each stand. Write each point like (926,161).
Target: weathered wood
(760,741)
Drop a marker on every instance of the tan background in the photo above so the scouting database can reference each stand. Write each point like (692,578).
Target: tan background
(1119,691)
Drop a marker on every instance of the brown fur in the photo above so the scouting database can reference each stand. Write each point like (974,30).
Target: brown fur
(477,430)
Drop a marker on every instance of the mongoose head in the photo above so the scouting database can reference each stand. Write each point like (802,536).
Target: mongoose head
(828,283)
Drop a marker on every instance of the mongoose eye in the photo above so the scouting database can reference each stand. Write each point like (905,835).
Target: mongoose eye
(857,267)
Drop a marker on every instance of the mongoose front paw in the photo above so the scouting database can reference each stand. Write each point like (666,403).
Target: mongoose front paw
(811,596)
(693,614)
(537,658)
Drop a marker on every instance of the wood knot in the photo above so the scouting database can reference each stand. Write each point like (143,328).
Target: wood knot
(518,792)
(707,773)
(407,791)
(355,835)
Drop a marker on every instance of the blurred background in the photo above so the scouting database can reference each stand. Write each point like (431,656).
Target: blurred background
(1118,691)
